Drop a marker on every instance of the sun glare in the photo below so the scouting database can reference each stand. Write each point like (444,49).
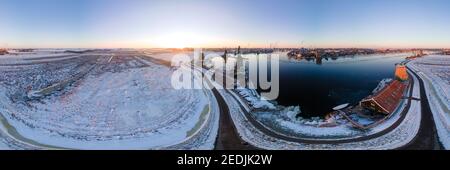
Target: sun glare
(181,40)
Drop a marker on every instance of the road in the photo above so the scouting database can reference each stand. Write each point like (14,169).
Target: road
(228,138)
(427,135)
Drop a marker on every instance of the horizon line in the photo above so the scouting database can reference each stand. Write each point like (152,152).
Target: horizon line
(225,48)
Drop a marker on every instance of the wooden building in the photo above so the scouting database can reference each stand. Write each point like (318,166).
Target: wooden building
(3,51)
(387,100)
(401,73)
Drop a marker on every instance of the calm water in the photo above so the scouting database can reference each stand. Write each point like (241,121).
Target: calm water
(318,87)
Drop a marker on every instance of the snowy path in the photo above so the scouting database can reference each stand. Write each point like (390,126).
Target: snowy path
(435,73)
(426,138)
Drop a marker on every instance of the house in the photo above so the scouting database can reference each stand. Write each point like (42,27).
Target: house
(446,52)
(401,73)
(25,50)
(3,51)
(386,100)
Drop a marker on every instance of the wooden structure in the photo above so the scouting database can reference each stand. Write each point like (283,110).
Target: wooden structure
(3,51)
(387,100)
(401,73)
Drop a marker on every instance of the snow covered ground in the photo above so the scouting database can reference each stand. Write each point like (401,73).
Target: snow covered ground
(3,145)
(434,70)
(164,54)
(253,99)
(125,102)
(30,57)
(383,83)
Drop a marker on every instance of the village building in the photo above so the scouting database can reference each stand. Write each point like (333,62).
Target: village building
(387,100)
(27,50)
(3,51)
(446,52)
(401,73)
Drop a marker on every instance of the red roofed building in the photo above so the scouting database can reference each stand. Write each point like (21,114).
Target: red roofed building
(3,51)
(401,73)
(387,100)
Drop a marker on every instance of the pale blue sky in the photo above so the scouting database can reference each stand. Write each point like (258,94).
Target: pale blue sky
(224,23)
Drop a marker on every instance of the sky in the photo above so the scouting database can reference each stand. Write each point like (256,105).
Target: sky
(224,23)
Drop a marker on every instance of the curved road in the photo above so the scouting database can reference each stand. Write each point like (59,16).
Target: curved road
(426,138)
(228,138)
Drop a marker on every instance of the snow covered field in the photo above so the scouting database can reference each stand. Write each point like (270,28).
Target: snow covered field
(30,57)
(434,70)
(124,102)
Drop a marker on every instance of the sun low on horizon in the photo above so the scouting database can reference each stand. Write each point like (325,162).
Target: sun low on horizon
(180,40)
(202,23)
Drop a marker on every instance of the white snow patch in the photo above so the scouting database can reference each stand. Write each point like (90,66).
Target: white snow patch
(132,109)
(434,70)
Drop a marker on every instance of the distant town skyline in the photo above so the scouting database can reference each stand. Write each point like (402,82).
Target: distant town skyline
(220,23)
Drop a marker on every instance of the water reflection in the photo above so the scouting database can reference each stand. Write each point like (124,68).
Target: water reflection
(317,84)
